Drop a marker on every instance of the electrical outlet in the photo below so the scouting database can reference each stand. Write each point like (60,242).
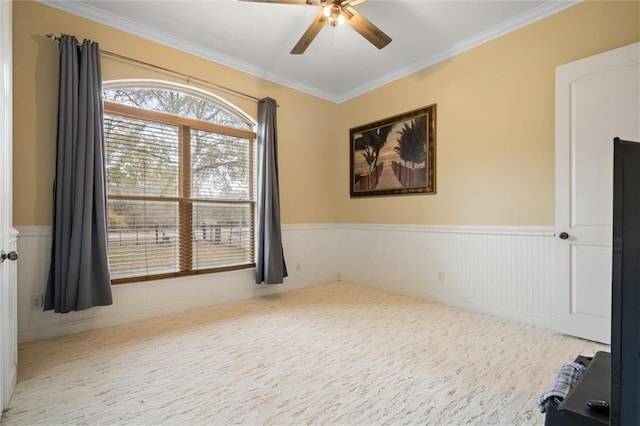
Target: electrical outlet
(36,302)
(441,277)
(298,266)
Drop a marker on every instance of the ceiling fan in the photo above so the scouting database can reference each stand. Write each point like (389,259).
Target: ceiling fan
(335,12)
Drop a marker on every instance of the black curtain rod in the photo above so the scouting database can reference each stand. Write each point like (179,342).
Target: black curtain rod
(168,71)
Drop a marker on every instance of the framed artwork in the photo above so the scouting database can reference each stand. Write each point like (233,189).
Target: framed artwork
(395,155)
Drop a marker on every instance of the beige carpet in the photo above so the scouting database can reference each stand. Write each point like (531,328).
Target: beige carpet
(334,354)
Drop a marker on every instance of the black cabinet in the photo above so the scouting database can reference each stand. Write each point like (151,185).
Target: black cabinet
(594,384)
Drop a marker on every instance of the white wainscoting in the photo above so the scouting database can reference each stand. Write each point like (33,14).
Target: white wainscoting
(310,255)
(502,271)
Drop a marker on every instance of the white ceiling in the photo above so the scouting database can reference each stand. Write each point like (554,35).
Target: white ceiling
(257,37)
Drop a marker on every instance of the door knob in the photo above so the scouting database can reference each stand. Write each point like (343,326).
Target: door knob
(563,236)
(12,255)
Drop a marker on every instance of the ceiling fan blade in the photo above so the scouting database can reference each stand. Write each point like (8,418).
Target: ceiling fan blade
(309,35)
(347,3)
(298,2)
(366,29)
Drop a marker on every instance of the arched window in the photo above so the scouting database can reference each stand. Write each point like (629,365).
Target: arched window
(180,177)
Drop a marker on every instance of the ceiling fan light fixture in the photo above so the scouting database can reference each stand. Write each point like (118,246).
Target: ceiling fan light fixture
(334,15)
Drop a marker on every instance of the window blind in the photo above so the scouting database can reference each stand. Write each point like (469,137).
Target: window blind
(180,198)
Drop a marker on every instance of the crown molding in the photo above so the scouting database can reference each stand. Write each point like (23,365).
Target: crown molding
(547,9)
(85,10)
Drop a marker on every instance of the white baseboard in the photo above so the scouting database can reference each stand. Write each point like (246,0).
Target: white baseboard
(308,249)
(501,271)
(100,317)
(497,311)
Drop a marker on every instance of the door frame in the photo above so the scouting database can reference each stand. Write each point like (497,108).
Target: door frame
(8,305)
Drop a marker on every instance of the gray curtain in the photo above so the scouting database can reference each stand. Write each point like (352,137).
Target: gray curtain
(270,264)
(79,274)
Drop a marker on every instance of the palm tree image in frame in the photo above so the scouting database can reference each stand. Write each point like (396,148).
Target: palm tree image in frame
(395,155)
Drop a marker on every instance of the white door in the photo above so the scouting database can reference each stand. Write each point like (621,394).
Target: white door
(8,337)
(597,99)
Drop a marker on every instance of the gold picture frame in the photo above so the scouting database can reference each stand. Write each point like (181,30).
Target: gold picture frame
(394,156)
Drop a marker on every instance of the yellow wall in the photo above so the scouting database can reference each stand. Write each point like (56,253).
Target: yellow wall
(303,162)
(495,122)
